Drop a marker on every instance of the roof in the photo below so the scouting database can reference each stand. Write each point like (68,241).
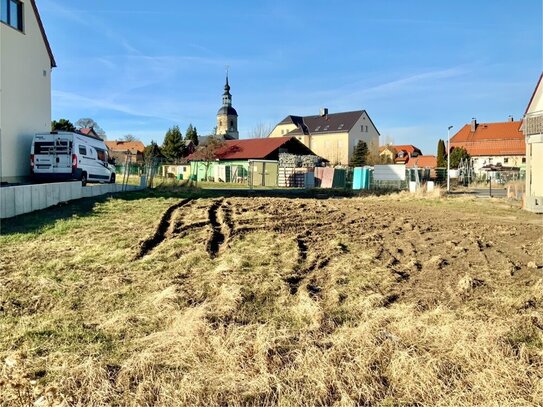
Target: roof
(44,36)
(539,82)
(227,110)
(87,131)
(258,148)
(120,145)
(329,123)
(422,161)
(503,138)
(408,148)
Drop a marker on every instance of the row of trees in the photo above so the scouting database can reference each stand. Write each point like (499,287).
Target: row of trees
(457,154)
(174,147)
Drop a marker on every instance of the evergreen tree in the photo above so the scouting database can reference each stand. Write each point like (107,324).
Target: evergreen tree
(457,154)
(192,134)
(441,156)
(360,154)
(62,125)
(152,151)
(173,147)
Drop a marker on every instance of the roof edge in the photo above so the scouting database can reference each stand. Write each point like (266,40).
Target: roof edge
(539,82)
(44,35)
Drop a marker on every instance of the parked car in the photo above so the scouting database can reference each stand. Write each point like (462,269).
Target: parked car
(69,156)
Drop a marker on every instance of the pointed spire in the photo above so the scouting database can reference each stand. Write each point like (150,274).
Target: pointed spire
(227,86)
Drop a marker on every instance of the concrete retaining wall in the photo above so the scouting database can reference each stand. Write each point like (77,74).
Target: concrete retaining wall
(21,199)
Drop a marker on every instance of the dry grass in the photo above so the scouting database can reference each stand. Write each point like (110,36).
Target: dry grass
(396,300)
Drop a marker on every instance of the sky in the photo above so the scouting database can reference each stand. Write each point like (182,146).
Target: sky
(139,67)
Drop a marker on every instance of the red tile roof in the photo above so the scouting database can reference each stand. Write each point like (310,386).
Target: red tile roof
(86,131)
(408,148)
(422,161)
(258,148)
(115,145)
(491,139)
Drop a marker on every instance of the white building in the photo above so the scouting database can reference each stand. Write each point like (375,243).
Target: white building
(496,144)
(26,62)
(533,130)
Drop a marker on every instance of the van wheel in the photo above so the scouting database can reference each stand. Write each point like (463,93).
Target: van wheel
(84,179)
(112,179)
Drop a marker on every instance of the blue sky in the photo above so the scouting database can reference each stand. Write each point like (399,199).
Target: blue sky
(138,67)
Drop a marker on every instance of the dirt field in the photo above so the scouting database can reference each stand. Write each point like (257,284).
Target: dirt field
(270,301)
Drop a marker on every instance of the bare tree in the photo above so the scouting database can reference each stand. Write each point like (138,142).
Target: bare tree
(129,137)
(88,123)
(208,152)
(261,130)
(388,140)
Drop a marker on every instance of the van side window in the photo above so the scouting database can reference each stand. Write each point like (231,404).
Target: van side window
(82,150)
(101,154)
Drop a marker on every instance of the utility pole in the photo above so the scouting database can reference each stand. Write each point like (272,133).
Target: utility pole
(449,158)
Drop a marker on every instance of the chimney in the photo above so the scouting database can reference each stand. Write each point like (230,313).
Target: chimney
(324,111)
(473,124)
(510,118)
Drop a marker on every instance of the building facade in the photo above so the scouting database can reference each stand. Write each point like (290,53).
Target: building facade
(26,63)
(533,130)
(227,117)
(492,144)
(399,154)
(331,136)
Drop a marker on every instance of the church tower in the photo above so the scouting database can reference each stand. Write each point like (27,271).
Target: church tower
(227,117)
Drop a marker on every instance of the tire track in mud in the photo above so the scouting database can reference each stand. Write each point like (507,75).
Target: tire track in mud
(302,270)
(160,232)
(217,237)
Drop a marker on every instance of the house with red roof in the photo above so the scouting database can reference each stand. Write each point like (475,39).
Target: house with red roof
(120,150)
(399,154)
(496,144)
(236,154)
(423,162)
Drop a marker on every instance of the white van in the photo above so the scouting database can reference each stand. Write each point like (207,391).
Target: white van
(65,155)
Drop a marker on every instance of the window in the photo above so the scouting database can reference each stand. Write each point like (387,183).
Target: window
(317,128)
(523,160)
(43,147)
(326,127)
(101,154)
(82,150)
(505,160)
(11,13)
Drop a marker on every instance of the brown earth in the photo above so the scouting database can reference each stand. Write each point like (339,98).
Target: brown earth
(271,301)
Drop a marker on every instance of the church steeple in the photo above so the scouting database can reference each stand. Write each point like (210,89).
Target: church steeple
(227,117)
(226,96)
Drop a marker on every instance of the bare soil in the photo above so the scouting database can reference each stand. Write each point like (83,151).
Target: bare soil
(273,301)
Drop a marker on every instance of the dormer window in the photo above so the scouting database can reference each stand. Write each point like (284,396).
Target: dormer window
(11,13)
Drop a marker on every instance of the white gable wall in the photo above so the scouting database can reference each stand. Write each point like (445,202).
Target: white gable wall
(358,132)
(25,94)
